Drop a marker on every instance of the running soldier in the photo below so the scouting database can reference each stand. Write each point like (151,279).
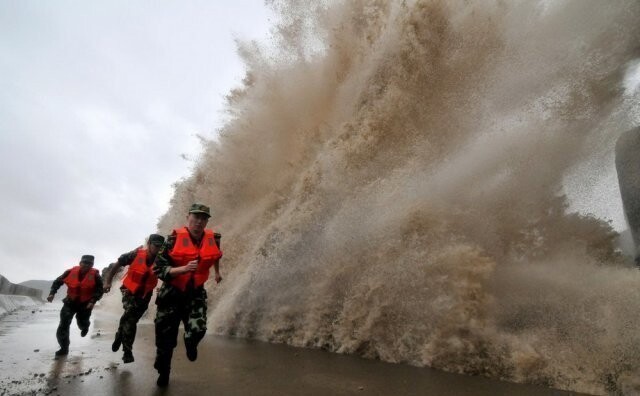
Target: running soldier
(137,288)
(183,264)
(84,289)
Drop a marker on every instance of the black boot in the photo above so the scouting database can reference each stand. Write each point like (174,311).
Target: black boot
(163,378)
(163,365)
(192,350)
(62,352)
(117,342)
(127,357)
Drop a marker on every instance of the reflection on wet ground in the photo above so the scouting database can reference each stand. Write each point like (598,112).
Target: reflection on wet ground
(225,366)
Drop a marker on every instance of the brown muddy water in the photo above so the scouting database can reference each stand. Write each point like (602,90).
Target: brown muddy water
(398,180)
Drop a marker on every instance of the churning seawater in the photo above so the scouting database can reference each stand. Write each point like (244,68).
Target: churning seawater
(390,183)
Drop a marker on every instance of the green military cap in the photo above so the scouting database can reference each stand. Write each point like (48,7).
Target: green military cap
(156,239)
(200,208)
(87,258)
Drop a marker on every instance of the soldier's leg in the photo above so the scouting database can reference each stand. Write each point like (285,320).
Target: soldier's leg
(125,300)
(117,341)
(142,304)
(166,322)
(134,308)
(195,323)
(62,334)
(82,319)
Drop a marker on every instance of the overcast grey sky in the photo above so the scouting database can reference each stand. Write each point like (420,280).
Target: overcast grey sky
(98,102)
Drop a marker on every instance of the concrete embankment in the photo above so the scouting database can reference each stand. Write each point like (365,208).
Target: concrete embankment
(9,303)
(6,287)
(14,296)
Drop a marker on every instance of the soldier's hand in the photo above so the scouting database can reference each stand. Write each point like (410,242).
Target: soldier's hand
(191,266)
(217,277)
(90,305)
(50,297)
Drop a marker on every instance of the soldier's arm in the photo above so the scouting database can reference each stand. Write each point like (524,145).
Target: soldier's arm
(124,260)
(216,268)
(97,294)
(216,265)
(56,285)
(162,264)
(111,272)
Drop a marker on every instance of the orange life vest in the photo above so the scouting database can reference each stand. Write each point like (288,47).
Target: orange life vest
(184,251)
(140,275)
(81,290)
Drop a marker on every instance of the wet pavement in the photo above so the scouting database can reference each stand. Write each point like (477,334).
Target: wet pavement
(225,366)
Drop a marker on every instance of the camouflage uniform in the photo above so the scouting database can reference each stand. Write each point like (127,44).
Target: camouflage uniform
(71,308)
(134,307)
(175,306)
(134,304)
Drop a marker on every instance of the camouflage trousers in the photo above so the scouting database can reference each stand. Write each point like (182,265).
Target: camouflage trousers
(69,309)
(175,307)
(134,307)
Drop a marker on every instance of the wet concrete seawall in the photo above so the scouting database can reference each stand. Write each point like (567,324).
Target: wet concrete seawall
(6,287)
(10,303)
(13,297)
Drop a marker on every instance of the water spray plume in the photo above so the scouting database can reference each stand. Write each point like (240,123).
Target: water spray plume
(390,184)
